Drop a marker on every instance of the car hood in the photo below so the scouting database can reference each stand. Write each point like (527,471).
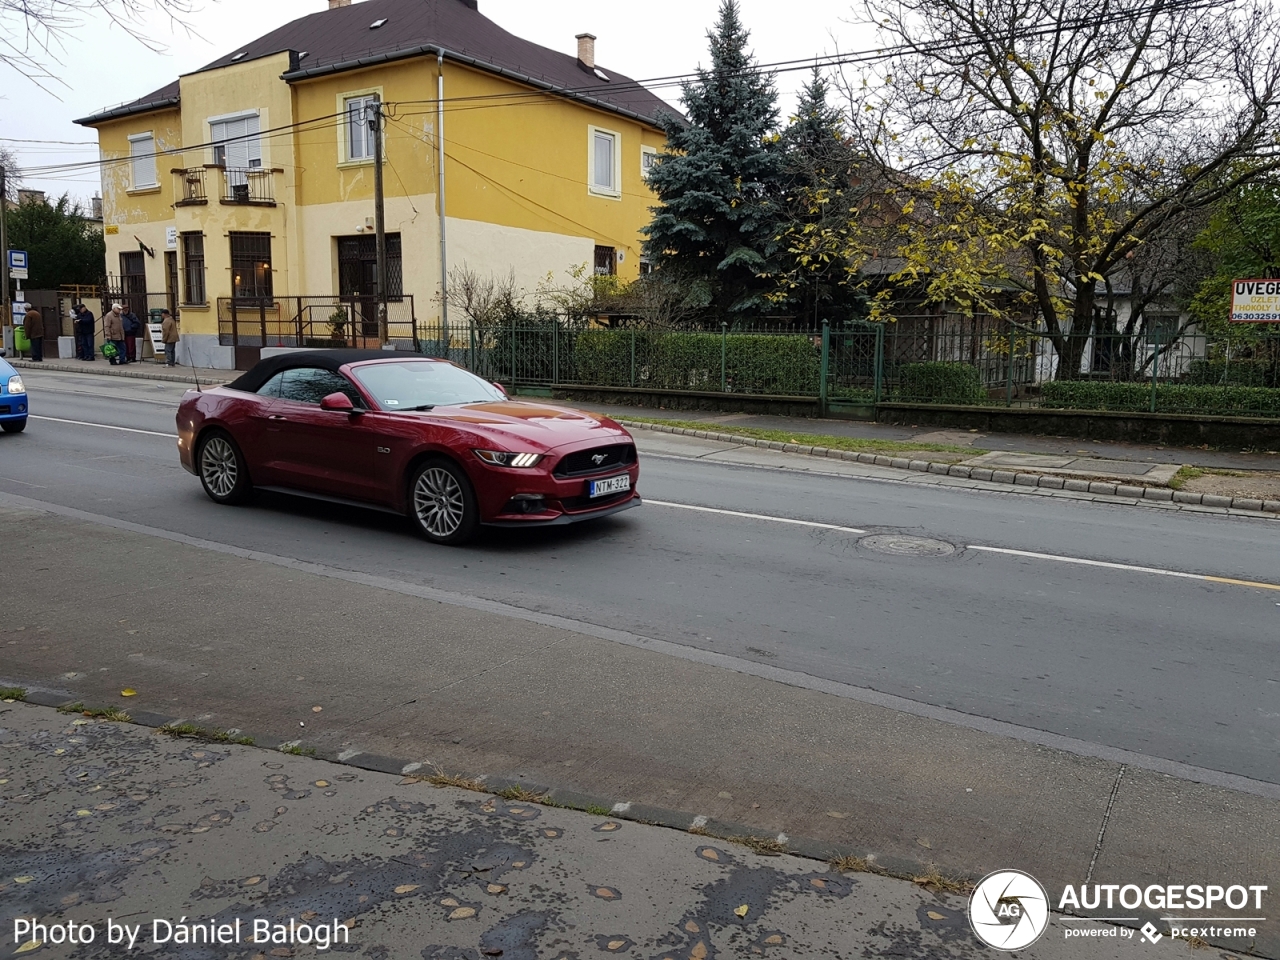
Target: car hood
(539,423)
(6,370)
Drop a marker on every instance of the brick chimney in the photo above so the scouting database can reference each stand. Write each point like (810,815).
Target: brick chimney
(587,50)
(335,4)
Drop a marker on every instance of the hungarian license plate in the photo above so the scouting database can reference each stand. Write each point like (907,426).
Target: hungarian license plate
(603,488)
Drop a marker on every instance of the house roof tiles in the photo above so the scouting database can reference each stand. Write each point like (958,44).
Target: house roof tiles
(343,38)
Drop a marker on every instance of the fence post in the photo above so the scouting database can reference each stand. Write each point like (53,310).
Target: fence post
(1155,371)
(555,352)
(822,373)
(879,365)
(471,328)
(513,351)
(1008,400)
(633,356)
(724,346)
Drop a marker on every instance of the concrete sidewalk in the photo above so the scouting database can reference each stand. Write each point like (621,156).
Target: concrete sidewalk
(272,854)
(258,643)
(139,370)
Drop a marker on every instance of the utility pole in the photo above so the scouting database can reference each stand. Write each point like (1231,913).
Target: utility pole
(7,320)
(374,118)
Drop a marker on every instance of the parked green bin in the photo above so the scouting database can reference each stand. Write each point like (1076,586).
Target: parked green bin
(20,341)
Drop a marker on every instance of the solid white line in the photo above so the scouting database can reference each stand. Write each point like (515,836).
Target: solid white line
(104,426)
(756,516)
(1131,568)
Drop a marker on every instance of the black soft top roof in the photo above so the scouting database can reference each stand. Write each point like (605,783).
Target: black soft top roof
(253,381)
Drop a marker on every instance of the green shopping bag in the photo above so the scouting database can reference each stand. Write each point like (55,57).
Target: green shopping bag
(109,350)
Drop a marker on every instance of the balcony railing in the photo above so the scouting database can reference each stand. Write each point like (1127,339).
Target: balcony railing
(191,189)
(249,185)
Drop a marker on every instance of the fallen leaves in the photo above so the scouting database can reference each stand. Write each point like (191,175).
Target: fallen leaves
(128,692)
(28,947)
(406,888)
(741,911)
(934,915)
(463,913)
(23,879)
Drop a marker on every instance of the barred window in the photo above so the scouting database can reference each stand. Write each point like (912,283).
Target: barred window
(251,265)
(193,268)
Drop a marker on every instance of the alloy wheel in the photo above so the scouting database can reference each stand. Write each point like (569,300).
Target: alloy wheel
(219,467)
(439,502)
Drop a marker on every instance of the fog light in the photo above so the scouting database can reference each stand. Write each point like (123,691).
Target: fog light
(528,503)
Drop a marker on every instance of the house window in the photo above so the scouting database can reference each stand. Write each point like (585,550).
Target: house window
(236,142)
(193,267)
(251,265)
(603,163)
(142,153)
(360,143)
(646,266)
(606,262)
(648,157)
(133,281)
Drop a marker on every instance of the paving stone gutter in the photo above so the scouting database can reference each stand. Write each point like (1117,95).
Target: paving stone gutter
(1017,479)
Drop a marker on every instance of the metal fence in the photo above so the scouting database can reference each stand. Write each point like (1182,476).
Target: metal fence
(320,322)
(933,359)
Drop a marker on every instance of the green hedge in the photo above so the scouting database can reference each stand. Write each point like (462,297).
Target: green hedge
(1170,398)
(936,382)
(753,363)
(1234,373)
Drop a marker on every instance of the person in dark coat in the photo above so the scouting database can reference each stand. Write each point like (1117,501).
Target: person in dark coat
(84,323)
(33,327)
(132,329)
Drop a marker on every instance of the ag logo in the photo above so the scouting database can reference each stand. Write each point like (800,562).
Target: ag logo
(1009,910)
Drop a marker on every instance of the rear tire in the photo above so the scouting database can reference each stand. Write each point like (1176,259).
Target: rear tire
(222,469)
(442,503)
(14,426)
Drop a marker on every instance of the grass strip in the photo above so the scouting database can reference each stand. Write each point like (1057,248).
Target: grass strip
(853,444)
(13,693)
(200,733)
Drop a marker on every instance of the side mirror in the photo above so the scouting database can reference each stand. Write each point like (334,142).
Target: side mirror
(502,390)
(338,403)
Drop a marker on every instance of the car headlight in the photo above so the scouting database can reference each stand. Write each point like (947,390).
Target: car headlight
(498,458)
(16,385)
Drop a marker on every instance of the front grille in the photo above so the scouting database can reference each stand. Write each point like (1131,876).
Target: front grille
(583,462)
(5,408)
(577,504)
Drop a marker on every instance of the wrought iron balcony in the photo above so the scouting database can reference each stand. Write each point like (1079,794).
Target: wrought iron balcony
(191,190)
(253,186)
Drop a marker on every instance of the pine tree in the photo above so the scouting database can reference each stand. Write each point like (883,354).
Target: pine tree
(819,242)
(720,178)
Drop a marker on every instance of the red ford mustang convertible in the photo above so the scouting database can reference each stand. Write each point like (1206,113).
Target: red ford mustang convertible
(415,436)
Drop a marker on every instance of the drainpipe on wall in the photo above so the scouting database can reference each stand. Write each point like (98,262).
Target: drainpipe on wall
(444,238)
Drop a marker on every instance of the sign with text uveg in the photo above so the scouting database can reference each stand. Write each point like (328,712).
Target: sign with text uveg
(1255,301)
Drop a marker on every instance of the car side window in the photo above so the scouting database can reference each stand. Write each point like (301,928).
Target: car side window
(311,385)
(272,387)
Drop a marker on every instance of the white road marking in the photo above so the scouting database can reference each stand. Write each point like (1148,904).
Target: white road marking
(104,426)
(756,516)
(1132,568)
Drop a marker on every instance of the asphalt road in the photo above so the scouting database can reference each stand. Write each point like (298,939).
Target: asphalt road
(1177,669)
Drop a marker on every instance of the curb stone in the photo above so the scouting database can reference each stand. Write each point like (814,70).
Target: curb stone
(1267,508)
(806,848)
(208,378)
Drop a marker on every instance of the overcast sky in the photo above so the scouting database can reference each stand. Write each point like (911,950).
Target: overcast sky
(101,66)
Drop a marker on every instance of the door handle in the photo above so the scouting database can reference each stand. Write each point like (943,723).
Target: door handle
(276,416)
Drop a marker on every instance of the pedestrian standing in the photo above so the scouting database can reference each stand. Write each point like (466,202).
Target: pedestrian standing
(169,333)
(33,327)
(83,324)
(132,327)
(113,330)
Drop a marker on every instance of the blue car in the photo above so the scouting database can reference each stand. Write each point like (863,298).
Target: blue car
(13,400)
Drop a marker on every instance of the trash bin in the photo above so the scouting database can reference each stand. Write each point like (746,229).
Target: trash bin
(20,341)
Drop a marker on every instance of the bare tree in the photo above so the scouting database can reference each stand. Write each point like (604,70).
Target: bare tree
(12,174)
(1053,138)
(485,300)
(32,32)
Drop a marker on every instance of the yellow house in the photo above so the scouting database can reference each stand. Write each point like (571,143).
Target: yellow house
(243,194)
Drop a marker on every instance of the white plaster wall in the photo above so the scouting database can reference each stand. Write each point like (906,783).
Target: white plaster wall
(491,249)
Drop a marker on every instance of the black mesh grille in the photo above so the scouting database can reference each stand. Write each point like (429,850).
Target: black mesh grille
(575,504)
(585,461)
(5,408)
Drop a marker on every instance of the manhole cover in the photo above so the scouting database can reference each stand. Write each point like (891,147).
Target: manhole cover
(902,546)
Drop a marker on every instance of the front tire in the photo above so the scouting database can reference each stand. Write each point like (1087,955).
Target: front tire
(442,504)
(223,472)
(14,426)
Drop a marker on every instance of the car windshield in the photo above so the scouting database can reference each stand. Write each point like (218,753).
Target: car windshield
(423,384)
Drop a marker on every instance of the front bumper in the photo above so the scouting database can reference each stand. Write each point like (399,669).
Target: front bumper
(13,406)
(565,519)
